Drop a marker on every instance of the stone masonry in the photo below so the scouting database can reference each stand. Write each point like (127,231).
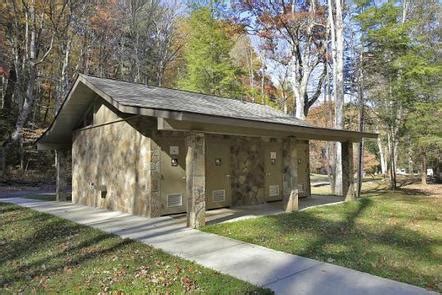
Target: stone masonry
(290,178)
(154,179)
(247,171)
(109,164)
(347,172)
(196,180)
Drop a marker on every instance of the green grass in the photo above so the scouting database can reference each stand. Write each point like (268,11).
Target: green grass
(369,184)
(40,253)
(395,235)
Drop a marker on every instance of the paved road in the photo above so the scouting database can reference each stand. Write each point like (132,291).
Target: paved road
(283,273)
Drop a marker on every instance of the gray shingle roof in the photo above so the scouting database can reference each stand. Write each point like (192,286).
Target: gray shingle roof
(139,95)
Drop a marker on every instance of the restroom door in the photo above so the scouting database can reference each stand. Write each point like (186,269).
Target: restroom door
(218,190)
(273,171)
(173,175)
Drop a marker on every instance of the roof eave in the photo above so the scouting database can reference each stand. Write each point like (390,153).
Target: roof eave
(308,132)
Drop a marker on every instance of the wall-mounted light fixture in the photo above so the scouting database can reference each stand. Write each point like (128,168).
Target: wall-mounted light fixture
(174,162)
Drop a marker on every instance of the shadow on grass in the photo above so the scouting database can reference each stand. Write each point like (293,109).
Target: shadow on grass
(52,235)
(387,250)
(6,209)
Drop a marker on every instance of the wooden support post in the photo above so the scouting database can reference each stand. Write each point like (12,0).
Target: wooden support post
(196,180)
(62,177)
(347,171)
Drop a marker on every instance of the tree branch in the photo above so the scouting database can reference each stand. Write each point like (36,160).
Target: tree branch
(42,59)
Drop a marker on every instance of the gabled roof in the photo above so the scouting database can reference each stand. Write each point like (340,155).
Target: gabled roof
(142,96)
(164,103)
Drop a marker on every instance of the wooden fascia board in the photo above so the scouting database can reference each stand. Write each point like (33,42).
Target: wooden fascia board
(251,128)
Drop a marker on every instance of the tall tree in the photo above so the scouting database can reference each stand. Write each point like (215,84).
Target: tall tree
(396,66)
(209,67)
(424,128)
(30,43)
(295,35)
(336,23)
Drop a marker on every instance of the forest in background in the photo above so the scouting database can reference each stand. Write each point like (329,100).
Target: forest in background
(362,65)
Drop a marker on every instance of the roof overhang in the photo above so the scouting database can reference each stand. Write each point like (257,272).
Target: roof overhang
(83,93)
(238,127)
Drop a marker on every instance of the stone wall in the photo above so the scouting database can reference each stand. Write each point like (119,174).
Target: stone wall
(247,171)
(110,165)
(303,149)
(117,166)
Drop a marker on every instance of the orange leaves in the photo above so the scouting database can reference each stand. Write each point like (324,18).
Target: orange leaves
(106,17)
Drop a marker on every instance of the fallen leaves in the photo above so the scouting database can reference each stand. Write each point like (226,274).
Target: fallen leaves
(188,284)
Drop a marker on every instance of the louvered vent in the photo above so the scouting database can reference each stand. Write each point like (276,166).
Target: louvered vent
(219,195)
(273,190)
(174,200)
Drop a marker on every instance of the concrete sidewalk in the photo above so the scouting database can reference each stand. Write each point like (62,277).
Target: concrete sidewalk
(283,273)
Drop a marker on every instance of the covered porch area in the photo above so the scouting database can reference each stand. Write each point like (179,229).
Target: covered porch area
(236,213)
(295,171)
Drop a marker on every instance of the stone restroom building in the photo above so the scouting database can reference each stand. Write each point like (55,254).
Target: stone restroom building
(154,151)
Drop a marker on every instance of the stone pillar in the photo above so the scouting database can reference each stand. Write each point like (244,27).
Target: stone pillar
(347,171)
(303,148)
(62,175)
(196,180)
(290,185)
(154,179)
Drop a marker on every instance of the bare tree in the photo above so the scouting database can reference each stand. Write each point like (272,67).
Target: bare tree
(297,34)
(337,42)
(31,44)
(165,35)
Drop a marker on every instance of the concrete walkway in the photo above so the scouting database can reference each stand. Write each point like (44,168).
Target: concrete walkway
(283,273)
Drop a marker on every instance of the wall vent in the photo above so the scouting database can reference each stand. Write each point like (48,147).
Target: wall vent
(219,195)
(273,190)
(174,200)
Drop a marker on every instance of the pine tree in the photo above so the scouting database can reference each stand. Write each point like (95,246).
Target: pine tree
(209,68)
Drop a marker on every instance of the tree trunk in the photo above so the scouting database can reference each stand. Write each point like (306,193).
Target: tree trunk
(9,92)
(300,102)
(338,65)
(361,127)
(63,76)
(424,169)
(330,145)
(382,156)
(410,157)
(392,166)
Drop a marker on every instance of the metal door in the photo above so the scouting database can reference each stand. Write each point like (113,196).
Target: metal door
(173,175)
(273,170)
(218,190)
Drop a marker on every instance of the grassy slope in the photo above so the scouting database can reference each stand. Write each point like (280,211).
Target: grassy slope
(397,236)
(46,254)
